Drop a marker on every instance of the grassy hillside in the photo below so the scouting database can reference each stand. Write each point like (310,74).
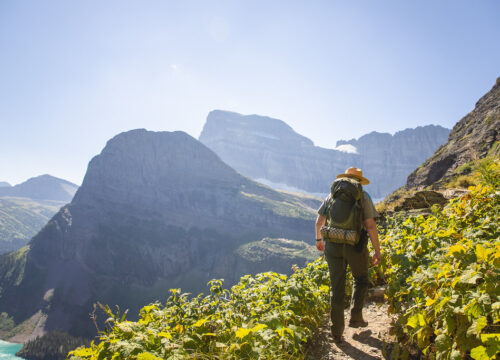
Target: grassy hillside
(21,219)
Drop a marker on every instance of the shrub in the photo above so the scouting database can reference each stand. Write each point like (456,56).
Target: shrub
(267,316)
(443,273)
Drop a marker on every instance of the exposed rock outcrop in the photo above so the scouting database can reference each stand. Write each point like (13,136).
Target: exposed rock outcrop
(265,148)
(269,150)
(155,211)
(471,139)
(421,200)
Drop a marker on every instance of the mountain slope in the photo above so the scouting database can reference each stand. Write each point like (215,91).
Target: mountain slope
(21,219)
(270,151)
(473,138)
(26,208)
(155,211)
(44,187)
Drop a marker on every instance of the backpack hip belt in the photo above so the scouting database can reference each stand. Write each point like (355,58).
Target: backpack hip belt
(339,236)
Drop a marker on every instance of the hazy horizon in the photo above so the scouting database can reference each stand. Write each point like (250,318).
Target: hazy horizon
(79,183)
(75,74)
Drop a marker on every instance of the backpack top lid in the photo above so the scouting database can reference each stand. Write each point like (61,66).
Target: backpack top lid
(346,189)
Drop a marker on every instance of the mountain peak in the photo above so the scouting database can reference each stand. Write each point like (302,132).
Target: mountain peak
(43,187)
(269,151)
(139,165)
(156,210)
(226,124)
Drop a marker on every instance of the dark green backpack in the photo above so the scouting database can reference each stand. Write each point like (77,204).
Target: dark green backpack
(344,206)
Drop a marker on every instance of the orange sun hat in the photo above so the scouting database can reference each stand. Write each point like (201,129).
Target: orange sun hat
(356,173)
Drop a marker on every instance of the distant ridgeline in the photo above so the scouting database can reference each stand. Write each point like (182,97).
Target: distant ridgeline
(270,151)
(26,208)
(156,210)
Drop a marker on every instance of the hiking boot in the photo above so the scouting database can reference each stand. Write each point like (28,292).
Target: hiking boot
(337,339)
(358,323)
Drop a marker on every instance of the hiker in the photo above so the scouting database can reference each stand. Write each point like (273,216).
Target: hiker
(344,220)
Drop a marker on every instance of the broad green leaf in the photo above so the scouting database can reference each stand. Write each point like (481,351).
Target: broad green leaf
(147,356)
(412,321)
(421,319)
(481,253)
(479,353)
(164,334)
(258,327)
(242,332)
(82,352)
(430,301)
(199,322)
(456,249)
(486,337)
(481,324)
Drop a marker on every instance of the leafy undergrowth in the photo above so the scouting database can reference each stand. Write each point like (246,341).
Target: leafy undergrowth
(476,172)
(269,316)
(443,274)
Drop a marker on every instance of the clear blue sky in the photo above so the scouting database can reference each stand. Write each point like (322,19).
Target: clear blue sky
(75,73)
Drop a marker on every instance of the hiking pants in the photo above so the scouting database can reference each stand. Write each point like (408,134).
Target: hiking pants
(338,256)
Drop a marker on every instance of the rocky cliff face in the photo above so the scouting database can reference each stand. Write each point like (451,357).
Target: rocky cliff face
(265,148)
(268,149)
(155,211)
(388,159)
(471,139)
(44,187)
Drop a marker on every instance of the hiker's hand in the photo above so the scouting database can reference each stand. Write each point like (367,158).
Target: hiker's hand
(320,245)
(376,258)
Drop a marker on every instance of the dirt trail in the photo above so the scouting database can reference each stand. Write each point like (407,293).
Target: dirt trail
(370,343)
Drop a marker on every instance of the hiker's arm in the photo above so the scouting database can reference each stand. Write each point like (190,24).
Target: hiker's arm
(320,221)
(371,227)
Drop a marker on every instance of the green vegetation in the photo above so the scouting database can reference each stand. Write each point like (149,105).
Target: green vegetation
(288,207)
(443,273)
(6,323)
(257,251)
(12,267)
(51,346)
(393,200)
(475,172)
(21,219)
(269,316)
